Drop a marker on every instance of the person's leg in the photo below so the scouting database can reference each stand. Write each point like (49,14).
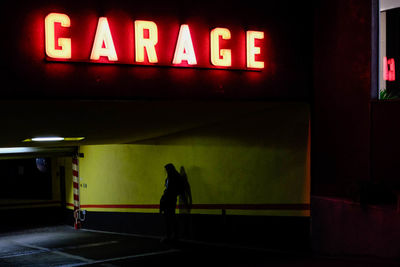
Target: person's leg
(175,226)
(168,224)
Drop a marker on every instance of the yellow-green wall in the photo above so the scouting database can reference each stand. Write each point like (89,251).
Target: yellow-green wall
(260,158)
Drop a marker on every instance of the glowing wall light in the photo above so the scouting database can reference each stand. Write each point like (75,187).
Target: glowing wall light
(64,52)
(184,47)
(142,42)
(252,50)
(220,57)
(103,45)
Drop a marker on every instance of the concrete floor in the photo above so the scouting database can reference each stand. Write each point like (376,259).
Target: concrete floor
(64,246)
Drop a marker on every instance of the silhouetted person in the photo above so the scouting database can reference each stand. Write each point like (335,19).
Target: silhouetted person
(173,188)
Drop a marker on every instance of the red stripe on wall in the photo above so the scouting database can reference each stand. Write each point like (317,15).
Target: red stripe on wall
(76,185)
(206,206)
(74,161)
(125,206)
(75,173)
(252,206)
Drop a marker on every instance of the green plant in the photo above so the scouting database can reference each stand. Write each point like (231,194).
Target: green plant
(384,94)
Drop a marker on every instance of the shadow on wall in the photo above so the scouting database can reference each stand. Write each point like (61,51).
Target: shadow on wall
(185,205)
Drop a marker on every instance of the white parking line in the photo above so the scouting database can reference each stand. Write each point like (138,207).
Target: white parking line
(98,244)
(43,249)
(124,258)
(25,253)
(86,261)
(122,234)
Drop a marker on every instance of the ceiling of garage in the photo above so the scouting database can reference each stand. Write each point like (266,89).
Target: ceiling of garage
(111,122)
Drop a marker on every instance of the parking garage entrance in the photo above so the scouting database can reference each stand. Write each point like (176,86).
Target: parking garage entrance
(33,186)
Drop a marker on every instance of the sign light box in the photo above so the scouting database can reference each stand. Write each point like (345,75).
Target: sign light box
(62,43)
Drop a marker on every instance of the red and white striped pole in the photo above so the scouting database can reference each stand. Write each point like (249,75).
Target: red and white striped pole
(75,179)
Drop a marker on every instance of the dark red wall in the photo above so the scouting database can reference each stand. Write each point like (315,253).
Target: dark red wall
(287,43)
(386,143)
(342,62)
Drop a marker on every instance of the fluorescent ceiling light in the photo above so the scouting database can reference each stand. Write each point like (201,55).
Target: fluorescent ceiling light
(47,139)
(53,139)
(10,151)
(13,150)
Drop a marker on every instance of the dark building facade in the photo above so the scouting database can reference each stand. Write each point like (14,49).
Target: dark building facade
(271,108)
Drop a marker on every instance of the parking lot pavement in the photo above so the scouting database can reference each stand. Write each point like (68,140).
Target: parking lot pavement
(65,246)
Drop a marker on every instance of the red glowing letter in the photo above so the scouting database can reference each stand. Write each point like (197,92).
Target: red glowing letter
(253,50)
(389,70)
(220,57)
(184,47)
(103,36)
(64,43)
(149,43)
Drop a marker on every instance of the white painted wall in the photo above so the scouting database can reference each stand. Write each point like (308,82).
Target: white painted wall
(389,4)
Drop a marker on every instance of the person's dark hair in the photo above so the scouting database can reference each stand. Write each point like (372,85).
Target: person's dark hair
(171,171)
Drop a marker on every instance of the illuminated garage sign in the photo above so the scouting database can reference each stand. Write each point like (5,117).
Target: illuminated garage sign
(59,45)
